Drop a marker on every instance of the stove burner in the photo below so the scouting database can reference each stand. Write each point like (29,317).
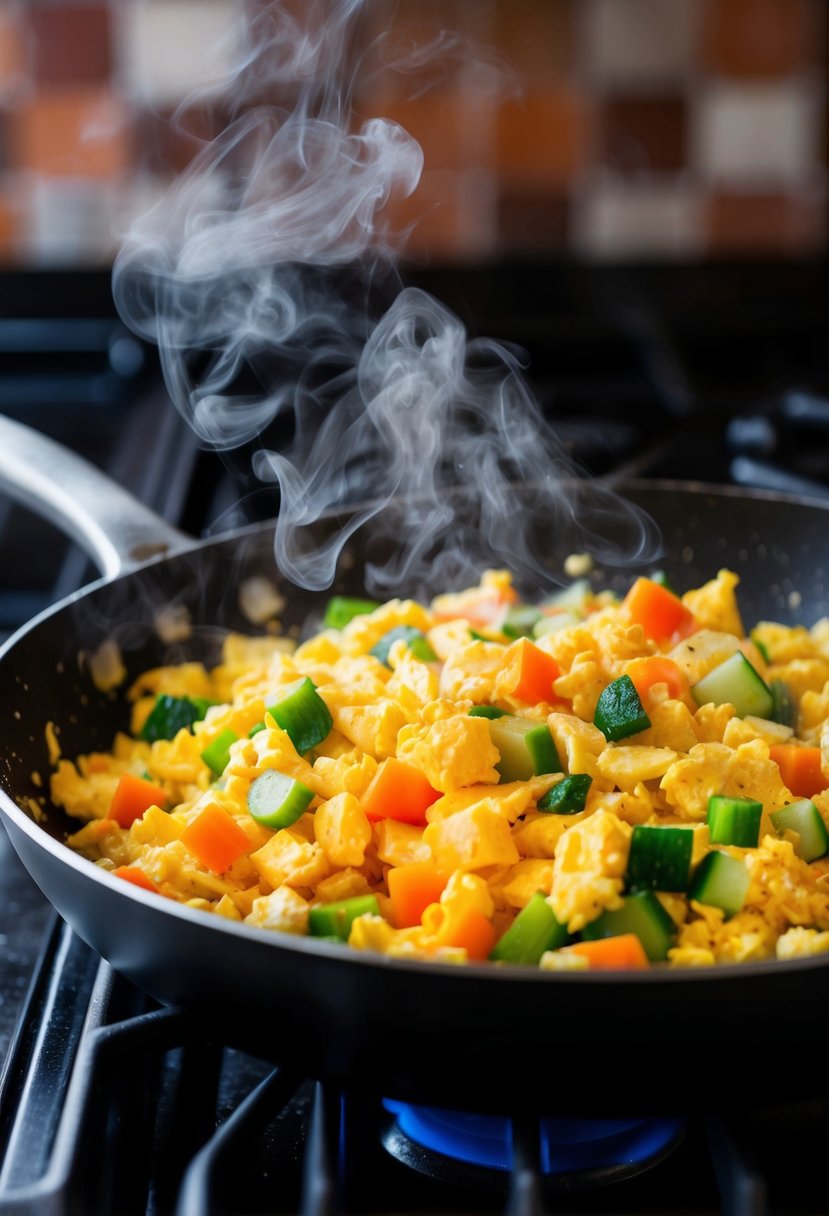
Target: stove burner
(470,1149)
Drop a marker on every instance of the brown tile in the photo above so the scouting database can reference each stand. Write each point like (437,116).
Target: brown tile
(166,141)
(536,37)
(529,221)
(543,136)
(76,133)
(442,122)
(760,38)
(640,134)
(11,231)
(415,45)
(768,222)
(442,221)
(13,61)
(70,43)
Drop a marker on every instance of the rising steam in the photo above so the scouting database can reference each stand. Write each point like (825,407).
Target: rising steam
(234,275)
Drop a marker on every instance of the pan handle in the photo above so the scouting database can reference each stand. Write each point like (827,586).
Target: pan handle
(115,529)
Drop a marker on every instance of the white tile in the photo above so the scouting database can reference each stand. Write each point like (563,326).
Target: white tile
(637,41)
(169,48)
(69,222)
(619,220)
(759,133)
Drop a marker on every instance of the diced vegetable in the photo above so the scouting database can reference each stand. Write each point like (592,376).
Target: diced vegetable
(734,821)
(662,615)
(133,796)
(659,858)
(762,647)
(254,730)
(471,931)
(573,596)
(486,711)
(137,877)
(215,838)
(399,791)
(520,621)
(661,579)
(527,748)
(623,952)
(529,673)
(721,881)
(642,914)
(735,682)
(800,768)
(534,930)
(415,639)
(555,622)
(169,715)
(341,609)
(412,887)
(302,714)
(217,754)
(784,707)
(276,800)
(619,711)
(656,669)
(804,818)
(335,919)
(566,797)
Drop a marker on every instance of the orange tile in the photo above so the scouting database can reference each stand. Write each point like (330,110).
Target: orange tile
(760,38)
(444,123)
(72,133)
(543,136)
(770,222)
(536,37)
(10,230)
(439,221)
(12,49)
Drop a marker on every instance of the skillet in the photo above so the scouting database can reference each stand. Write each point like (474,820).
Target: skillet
(478,1035)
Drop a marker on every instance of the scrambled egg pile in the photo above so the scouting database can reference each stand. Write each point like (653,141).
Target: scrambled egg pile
(440,862)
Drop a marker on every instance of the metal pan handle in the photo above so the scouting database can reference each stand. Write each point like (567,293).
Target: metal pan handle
(115,529)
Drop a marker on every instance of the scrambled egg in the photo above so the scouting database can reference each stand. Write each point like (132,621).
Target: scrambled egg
(409,830)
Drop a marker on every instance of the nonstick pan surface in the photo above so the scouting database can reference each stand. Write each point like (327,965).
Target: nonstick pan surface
(492,1037)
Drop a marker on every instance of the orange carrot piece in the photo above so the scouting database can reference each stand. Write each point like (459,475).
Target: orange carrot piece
(608,953)
(471,930)
(137,877)
(800,768)
(215,838)
(398,791)
(656,669)
(412,887)
(530,673)
(133,796)
(662,615)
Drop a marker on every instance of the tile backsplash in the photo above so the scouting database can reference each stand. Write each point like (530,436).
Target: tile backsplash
(623,129)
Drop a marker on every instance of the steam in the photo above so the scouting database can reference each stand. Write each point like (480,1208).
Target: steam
(256,276)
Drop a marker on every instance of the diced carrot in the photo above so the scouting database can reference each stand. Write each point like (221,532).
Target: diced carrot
(399,791)
(133,796)
(412,887)
(481,607)
(609,953)
(656,669)
(215,838)
(529,673)
(470,930)
(662,615)
(137,877)
(800,768)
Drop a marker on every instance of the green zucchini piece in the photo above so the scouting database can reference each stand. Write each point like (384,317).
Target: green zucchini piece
(572,596)
(217,754)
(642,914)
(520,621)
(619,712)
(720,881)
(302,714)
(659,858)
(784,706)
(276,800)
(534,931)
(566,797)
(169,715)
(556,621)
(415,639)
(335,919)
(804,818)
(737,683)
(487,711)
(526,748)
(341,609)
(734,821)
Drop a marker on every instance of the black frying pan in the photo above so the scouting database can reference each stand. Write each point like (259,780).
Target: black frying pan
(461,1036)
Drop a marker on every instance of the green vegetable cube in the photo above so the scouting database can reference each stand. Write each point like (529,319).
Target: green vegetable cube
(566,797)
(734,821)
(804,818)
(527,748)
(534,931)
(619,711)
(659,858)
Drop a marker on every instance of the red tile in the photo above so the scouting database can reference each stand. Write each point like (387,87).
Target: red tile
(70,43)
(644,133)
(543,136)
(769,222)
(71,133)
(760,38)
(529,222)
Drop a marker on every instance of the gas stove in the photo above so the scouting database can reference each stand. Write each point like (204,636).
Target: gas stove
(111,1104)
